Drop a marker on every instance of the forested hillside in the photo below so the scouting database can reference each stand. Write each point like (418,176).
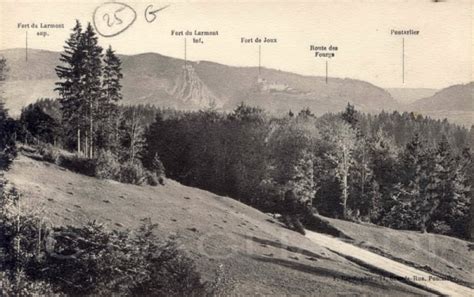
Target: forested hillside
(394,169)
(380,166)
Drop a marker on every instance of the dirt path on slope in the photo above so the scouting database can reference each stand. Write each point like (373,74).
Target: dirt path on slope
(390,267)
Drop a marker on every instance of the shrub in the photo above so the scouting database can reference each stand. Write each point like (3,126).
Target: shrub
(152,179)
(49,153)
(441,227)
(20,285)
(93,261)
(89,260)
(353,215)
(401,216)
(79,164)
(132,173)
(170,272)
(107,166)
(161,180)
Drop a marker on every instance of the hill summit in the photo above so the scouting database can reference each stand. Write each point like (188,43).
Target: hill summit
(151,78)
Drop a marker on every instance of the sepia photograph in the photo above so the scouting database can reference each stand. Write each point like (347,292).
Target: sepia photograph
(236,148)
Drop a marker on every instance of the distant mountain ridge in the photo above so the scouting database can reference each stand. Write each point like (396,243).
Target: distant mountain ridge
(155,79)
(455,103)
(453,98)
(151,78)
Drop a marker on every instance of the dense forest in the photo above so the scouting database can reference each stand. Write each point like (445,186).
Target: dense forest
(400,170)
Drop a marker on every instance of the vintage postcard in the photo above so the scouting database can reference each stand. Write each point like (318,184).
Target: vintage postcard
(236,148)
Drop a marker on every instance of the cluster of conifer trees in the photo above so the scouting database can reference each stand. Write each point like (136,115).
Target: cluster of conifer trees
(108,138)
(89,90)
(347,165)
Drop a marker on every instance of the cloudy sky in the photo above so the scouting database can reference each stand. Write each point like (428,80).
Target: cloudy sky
(441,55)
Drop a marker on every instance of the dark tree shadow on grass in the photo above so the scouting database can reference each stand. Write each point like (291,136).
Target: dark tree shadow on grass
(371,281)
(290,248)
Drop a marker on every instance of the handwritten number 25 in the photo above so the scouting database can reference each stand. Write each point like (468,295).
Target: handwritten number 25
(115,19)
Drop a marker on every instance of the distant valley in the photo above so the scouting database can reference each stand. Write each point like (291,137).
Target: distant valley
(410,95)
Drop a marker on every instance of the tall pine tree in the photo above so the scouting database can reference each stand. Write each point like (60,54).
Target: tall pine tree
(107,136)
(383,164)
(70,73)
(408,198)
(80,87)
(454,210)
(439,190)
(91,85)
(350,116)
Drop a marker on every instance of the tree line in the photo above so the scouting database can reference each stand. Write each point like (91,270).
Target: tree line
(348,165)
(395,169)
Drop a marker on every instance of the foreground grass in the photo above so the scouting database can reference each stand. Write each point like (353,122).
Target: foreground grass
(255,253)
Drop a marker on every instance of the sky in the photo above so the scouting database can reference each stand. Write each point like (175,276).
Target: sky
(439,56)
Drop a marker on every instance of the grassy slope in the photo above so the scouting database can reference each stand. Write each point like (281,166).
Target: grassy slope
(438,254)
(257,254)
